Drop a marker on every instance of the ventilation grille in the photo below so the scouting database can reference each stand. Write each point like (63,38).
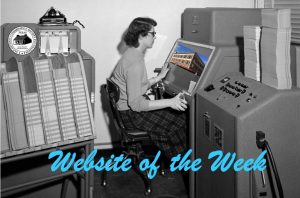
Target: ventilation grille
(207,125)
(218,137)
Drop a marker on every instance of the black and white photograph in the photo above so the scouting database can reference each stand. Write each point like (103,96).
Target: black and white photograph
(150,99)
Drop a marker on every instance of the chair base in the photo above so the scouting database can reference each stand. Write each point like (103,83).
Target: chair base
(136,153)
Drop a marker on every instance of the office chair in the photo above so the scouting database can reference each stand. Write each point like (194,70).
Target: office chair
(131,140)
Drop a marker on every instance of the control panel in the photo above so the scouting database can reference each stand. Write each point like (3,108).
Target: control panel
(236,91)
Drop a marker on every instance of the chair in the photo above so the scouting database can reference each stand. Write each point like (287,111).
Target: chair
(131,140)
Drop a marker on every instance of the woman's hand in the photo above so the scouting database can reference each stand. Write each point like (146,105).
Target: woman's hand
(178,102)
(163,72)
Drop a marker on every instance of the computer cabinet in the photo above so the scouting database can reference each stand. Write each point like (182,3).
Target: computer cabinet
(28,174)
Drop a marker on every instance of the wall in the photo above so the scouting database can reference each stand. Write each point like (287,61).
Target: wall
(105,21)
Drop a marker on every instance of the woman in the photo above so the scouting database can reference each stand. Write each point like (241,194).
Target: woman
(164,119)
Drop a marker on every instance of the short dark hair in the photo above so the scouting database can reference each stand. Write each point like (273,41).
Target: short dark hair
(139,26)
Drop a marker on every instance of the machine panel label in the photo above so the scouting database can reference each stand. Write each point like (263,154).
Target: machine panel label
(22,40)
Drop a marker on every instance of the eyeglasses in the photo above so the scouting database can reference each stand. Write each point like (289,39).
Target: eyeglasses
(153,33)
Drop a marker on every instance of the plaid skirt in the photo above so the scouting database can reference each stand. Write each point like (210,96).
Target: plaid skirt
(167,128)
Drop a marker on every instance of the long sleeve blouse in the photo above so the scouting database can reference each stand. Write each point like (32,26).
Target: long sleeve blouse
(131,76)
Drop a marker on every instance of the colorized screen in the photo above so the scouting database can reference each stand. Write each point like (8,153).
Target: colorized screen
(187,61)
(188,58)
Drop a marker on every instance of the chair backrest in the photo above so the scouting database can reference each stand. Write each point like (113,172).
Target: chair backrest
(113,93)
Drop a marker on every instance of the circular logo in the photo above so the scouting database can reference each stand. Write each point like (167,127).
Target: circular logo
(22,40)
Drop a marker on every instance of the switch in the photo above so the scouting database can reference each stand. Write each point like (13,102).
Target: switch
(224,80)
(209,88)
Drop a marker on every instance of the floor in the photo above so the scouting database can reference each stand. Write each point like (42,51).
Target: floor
(129,185)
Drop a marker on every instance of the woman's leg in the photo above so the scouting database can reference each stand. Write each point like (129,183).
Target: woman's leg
(166,127)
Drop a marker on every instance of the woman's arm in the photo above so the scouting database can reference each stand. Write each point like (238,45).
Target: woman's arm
(177,103)
(160,76)
(135,89)
(136,100)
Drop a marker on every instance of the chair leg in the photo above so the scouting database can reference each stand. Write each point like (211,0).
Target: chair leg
(162,168)
(146,180)
(104,173)
(104,178)
(135,153)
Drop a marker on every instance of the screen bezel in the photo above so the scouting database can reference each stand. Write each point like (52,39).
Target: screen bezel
(212,48)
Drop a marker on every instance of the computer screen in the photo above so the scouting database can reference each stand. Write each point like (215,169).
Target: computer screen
(187,61)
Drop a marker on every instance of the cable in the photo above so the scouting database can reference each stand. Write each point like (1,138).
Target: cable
(76,21)
(273,164)
(263,144)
